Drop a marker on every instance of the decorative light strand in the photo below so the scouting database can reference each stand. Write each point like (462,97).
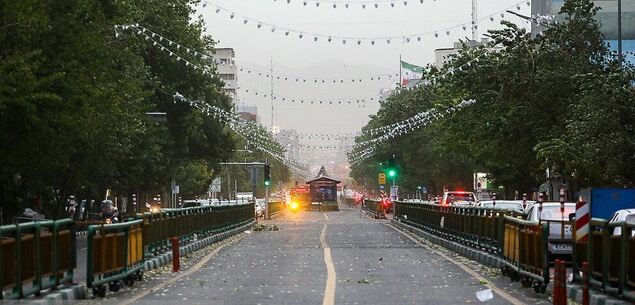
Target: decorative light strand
(347,4)
(401,128)
(353,101)
(359,40)
(254,133)
(317,80)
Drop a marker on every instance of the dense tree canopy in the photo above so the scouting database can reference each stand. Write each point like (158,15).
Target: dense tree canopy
(558,101)
(75,88)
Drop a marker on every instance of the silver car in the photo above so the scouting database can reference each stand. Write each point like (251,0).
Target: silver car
(560,227)
(503,204)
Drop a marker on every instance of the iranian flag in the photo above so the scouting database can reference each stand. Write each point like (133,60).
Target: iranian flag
(410,71)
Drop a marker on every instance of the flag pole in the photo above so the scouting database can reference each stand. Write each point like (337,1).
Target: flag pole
(400,75)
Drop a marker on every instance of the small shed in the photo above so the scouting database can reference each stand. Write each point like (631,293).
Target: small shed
(323,189)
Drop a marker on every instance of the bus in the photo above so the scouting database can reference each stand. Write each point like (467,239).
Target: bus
(301,196)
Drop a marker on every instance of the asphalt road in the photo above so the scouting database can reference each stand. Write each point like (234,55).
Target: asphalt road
(340,257)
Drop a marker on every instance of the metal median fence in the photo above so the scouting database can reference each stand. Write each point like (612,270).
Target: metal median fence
(520,245)
(610,253)
(374,207)
(116,252)
(36,256)
(39,256)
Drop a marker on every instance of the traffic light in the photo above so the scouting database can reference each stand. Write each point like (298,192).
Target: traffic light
(392,168)
(267,175)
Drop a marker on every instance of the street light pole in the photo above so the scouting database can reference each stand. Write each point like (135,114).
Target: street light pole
(619,31)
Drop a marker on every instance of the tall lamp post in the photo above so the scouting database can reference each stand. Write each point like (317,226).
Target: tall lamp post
(619,31)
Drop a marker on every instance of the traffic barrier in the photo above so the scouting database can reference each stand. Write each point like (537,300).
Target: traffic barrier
(521,245)
(374,207)
(188,223)
(275,208)
(115,254)
(475,226)
(611,257)
(36,256)
(560,283)
(525,252)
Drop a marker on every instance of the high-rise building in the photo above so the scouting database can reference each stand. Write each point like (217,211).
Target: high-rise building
(615,29)
(228,72)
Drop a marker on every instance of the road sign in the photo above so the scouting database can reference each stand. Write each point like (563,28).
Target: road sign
(382,178)
(215,185)
(394,192)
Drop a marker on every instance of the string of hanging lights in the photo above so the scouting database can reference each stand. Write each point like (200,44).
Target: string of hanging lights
(371,40)
(364,149)
(316,80)
(359,102)
(252,132)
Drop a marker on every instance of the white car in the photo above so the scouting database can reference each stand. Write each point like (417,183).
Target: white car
(458,198)
(627,215)
(516,206)
(560,227)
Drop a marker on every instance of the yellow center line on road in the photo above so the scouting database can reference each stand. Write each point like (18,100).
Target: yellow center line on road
(180,275)
(473,273)
(329,291)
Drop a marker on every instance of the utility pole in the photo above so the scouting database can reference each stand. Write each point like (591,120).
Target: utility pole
(271,93)
(474,20)
(619,30)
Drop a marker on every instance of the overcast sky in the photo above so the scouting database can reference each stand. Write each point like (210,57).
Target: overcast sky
(326,70)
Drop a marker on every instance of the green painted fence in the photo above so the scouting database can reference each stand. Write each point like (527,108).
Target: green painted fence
(374,207)
(36,256)
(521,245)
(116,252)
(611,257)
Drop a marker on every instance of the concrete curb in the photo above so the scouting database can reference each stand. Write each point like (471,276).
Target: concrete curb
(574,292)
(75,292)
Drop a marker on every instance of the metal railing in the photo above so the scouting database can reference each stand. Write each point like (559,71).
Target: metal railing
(610,253)
(374,207)
(275,208)
(116,252)
(521,245)
(36,256)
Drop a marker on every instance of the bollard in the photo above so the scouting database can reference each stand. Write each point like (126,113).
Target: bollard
(556,282)
(585,283)
(176,265)
(560,282)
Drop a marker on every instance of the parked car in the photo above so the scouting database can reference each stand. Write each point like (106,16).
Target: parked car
(560,238)
(622,215)
(516,206)
(458,198)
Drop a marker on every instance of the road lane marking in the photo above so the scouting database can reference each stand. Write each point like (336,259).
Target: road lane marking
(180,275)
(473,273)
(329,290)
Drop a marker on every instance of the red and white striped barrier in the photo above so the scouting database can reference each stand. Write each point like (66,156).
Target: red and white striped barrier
(582,222)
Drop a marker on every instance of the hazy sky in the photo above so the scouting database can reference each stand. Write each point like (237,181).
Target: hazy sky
(317,63)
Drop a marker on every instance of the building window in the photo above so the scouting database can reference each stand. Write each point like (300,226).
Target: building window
(228,76)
